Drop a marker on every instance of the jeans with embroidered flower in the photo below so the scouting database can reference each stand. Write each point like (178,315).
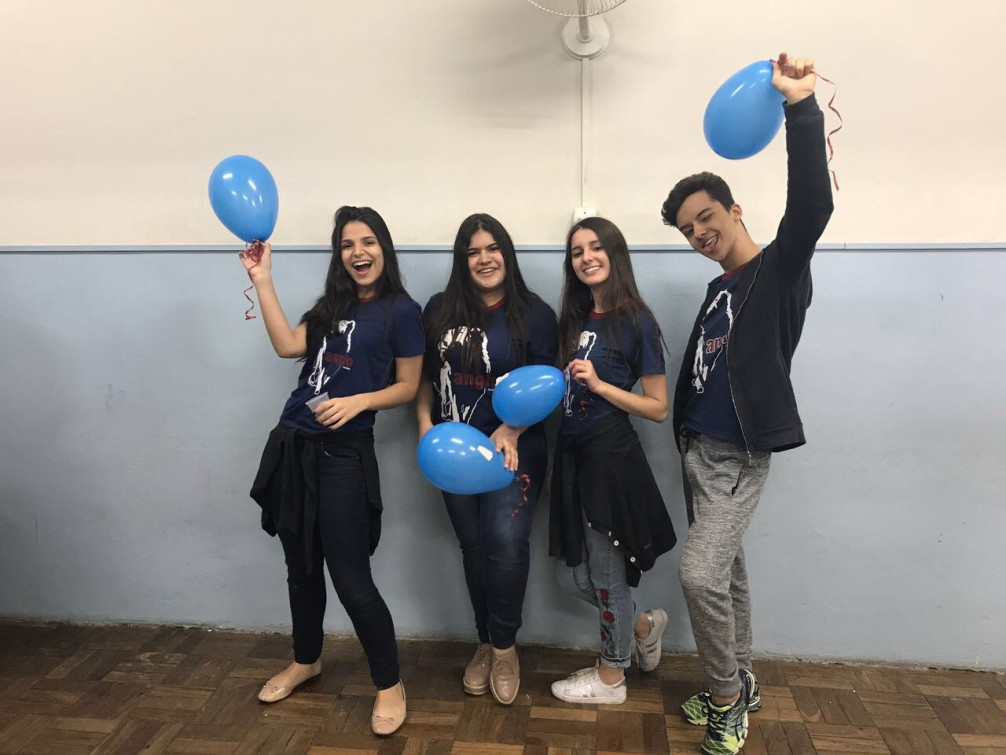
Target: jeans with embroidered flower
(600,580)
(494,531)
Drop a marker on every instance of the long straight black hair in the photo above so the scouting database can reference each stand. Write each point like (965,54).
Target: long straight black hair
(340,288)
(461,304)
(619,292)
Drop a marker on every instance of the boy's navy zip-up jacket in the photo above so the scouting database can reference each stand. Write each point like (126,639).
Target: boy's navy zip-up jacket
(774,292)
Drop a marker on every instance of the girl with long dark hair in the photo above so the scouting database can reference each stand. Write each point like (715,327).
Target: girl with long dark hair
(484,324)
(318,482)
(608,519)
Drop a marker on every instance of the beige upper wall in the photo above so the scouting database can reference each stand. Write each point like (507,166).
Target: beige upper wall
(115,112)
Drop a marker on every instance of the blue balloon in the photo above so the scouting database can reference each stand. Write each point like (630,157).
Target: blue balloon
(243,195)
(745,113)
(527,395)
(459,459)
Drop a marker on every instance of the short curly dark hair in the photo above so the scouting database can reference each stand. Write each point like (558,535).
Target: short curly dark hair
(708,182)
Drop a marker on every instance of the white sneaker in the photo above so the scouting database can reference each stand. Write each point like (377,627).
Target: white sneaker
(648,648)
(585,686)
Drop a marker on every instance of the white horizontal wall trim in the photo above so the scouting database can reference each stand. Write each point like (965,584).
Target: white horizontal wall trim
(416,248)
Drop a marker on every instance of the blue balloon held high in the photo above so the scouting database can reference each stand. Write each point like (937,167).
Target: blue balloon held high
(745,113)
(243,195)
(528,394)
(461,460)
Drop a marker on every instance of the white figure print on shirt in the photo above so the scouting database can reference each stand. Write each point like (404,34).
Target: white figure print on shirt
(450,411)
(714,347)
(573,387)
(318,379)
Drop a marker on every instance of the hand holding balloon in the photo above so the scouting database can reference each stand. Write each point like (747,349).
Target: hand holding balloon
(243,195)
(459,459)
(257,259)
(793,78)
(505,439)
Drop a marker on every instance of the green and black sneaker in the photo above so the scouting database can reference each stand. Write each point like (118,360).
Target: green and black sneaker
(727,726)
(695,709)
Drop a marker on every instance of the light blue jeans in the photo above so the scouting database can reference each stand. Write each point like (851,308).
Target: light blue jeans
(600,580)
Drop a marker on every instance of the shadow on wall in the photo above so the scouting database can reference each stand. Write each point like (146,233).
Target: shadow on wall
(518,76)
(23,522)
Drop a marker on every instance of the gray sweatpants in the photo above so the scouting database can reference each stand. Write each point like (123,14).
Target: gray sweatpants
(722,488)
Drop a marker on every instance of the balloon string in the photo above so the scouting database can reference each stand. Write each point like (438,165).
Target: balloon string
(827,139)
(831,149)
(251,304)
(253,251)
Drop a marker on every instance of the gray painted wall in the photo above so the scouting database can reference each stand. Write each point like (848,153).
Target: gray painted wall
(135,401)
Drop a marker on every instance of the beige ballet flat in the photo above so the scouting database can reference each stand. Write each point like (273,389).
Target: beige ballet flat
(272,692)
(386,725)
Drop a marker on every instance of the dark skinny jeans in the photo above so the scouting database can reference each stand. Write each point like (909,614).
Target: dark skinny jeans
(342,539)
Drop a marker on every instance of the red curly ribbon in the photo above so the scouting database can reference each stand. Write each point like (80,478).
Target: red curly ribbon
(832,108)
(253,251)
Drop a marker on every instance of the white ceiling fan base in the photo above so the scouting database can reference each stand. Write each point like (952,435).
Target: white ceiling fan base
(598,40)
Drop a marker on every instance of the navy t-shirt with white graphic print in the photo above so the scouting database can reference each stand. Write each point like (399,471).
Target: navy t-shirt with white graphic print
(359,358)
(463,395)
(621,351)
(710,406)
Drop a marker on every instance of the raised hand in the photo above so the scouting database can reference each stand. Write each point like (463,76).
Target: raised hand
(257,259)
(793,78)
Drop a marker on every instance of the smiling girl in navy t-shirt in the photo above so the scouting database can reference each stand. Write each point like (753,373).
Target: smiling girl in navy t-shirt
(318,482)
(608,521)
(484,324)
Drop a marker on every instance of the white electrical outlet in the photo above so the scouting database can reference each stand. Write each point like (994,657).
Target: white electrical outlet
(583,212)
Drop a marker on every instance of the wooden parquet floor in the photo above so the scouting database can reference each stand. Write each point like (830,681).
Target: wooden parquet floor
(99,690)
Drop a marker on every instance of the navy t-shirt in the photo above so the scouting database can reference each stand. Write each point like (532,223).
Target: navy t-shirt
(359,358)
(709,408)
(621,351)
(462,395)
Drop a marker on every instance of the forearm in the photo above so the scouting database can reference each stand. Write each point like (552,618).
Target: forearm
(284,339)
(424,405)
(809,201)
(647,407)
(394,395)
(808,195)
